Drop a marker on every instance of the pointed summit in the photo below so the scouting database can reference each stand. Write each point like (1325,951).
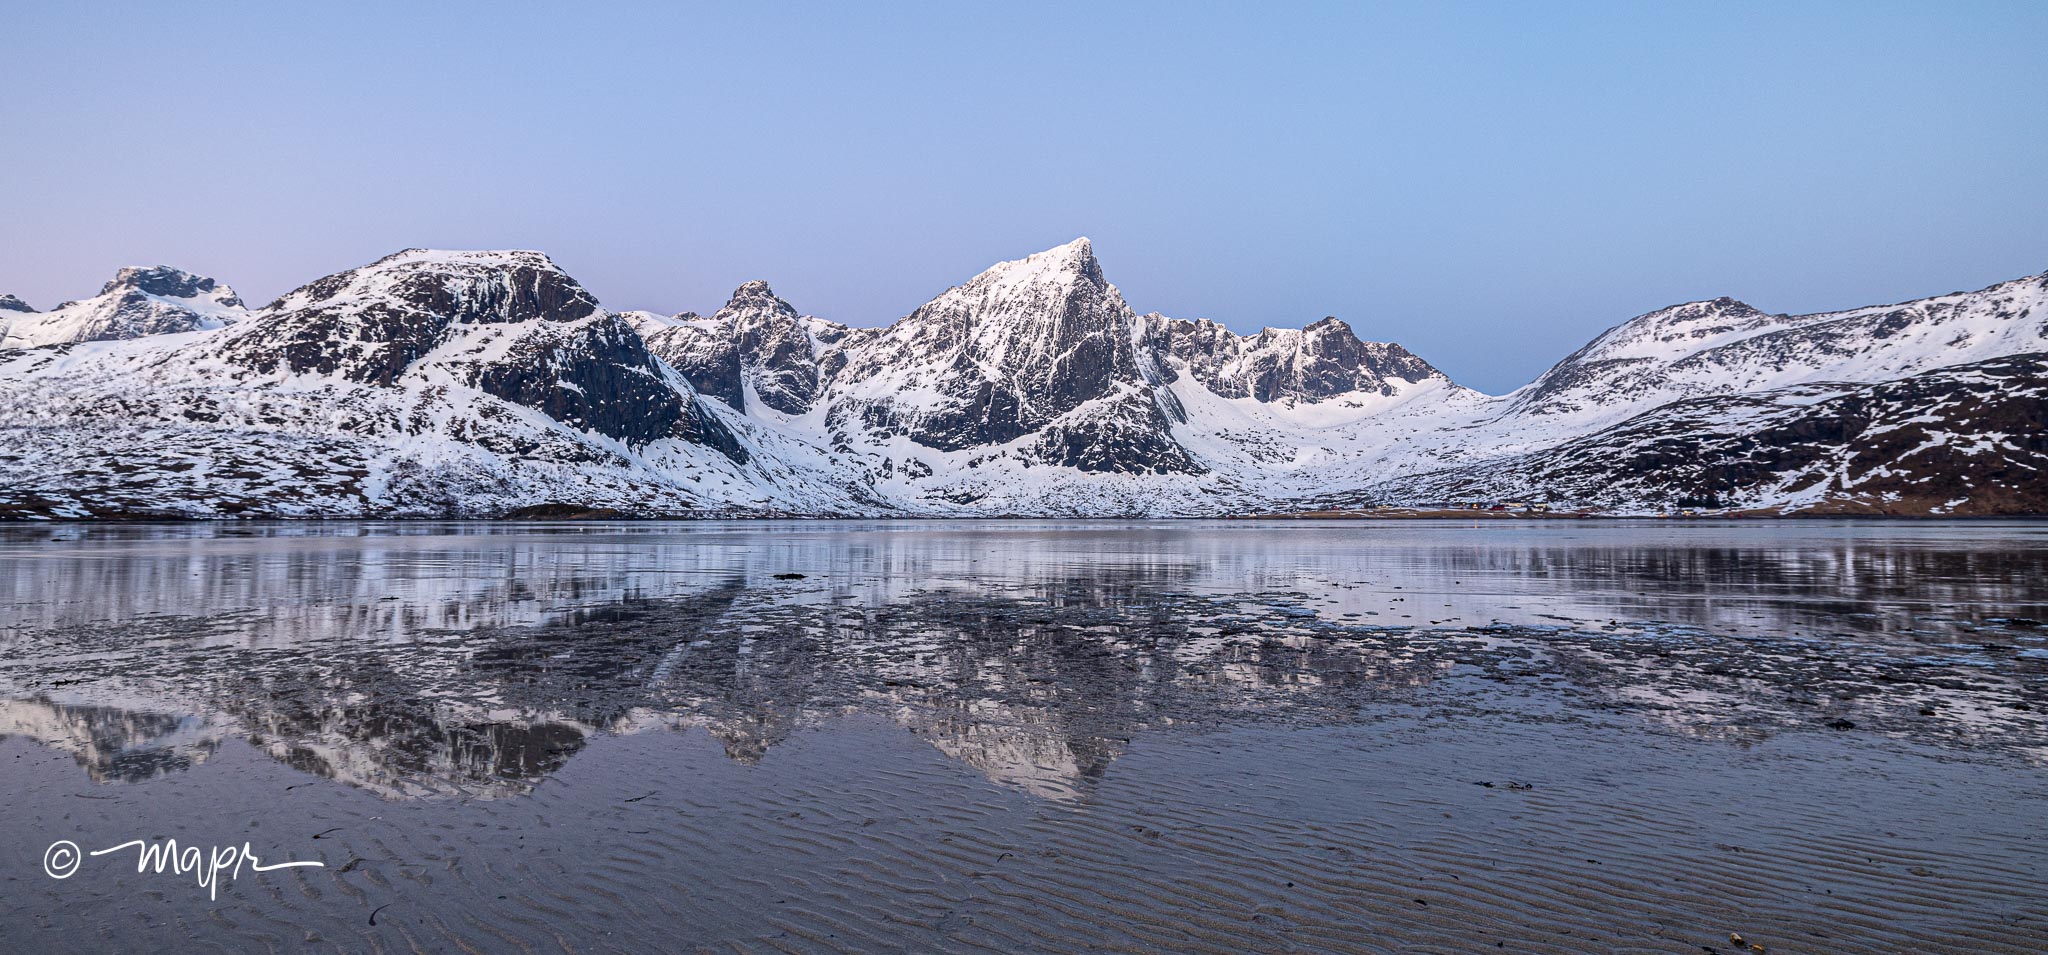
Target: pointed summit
(1017,351)
(1079,248)
(9,303)
(776,354)
(757,341)
(1066,266)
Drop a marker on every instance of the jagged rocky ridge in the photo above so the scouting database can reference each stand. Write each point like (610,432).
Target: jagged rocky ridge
(492,384)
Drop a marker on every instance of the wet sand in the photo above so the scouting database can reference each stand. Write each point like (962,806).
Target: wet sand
(1376,838)
(1031,756)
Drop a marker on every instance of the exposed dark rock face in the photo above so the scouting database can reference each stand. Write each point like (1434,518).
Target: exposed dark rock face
(1310,364)
(775,348)
(598,375)
(371,324)
(1966,440)
(168,282)
(1723,346)
(1010,352)
(467,383)
(374,344)
(136,303)
(706,357)
(756,339)
(1130,436)
(511,324)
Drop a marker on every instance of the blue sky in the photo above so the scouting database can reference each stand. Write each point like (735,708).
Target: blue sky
(1488,184)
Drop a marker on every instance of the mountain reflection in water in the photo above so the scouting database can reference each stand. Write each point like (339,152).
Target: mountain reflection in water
(416,660)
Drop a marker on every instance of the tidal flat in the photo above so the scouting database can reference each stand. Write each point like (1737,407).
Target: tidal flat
(1625,736)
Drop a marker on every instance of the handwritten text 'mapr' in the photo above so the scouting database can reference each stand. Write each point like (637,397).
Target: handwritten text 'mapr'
(205,866)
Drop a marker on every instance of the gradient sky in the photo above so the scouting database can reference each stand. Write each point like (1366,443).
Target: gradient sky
(1489,184)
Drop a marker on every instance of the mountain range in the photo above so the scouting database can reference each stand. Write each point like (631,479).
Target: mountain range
(492,384)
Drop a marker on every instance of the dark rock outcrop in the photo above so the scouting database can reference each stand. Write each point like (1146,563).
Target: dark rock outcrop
(598,375)
(370,324)
(510,324)
(162,280)
(138,302)
(1963,440)
(757,339)
(1016,348)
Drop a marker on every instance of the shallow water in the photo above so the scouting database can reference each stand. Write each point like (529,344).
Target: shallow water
(1385,736)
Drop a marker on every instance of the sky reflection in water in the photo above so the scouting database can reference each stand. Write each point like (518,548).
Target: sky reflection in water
(475,659)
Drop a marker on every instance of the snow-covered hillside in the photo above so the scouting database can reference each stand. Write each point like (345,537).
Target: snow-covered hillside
(492,384)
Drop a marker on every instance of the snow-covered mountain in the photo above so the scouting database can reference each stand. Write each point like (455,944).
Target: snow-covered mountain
(424,383)
(756,344)
(1289,365)
(138,301)
(1037,361)
(1959,439)
(492,383)
(1724,346)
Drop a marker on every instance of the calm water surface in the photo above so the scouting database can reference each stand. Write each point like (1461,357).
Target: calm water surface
(799,703)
